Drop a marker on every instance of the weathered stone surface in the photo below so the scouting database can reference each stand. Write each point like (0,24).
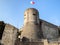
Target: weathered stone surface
(9,35)
(30,31)
(31,42)
(31,21)
(50,31)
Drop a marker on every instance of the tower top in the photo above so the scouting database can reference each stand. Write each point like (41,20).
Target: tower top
(33,10)
(31,15)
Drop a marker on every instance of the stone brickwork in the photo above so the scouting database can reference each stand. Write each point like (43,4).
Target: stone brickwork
(44,42)
(31,22)
(30,31)
(50,31)
(31,15)
(31,42)
(9,35)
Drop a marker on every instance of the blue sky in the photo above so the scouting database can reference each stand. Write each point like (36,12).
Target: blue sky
(12,11)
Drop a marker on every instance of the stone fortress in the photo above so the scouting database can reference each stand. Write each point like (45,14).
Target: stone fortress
(34,32)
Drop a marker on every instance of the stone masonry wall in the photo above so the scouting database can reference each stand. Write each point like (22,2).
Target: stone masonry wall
(9,35)
(50,31)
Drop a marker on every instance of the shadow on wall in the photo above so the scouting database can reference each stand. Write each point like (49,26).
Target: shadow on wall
(1,44)
(2,26)
(24,39)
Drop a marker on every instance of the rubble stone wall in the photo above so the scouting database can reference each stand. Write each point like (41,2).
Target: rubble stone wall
(9,35)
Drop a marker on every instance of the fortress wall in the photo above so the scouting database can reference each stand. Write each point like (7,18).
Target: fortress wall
(50,31)
(29,43)
(53,44)
(33,43)
(9,35)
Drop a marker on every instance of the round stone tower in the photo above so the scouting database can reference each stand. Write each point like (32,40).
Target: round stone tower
(31,24)
(31,15)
